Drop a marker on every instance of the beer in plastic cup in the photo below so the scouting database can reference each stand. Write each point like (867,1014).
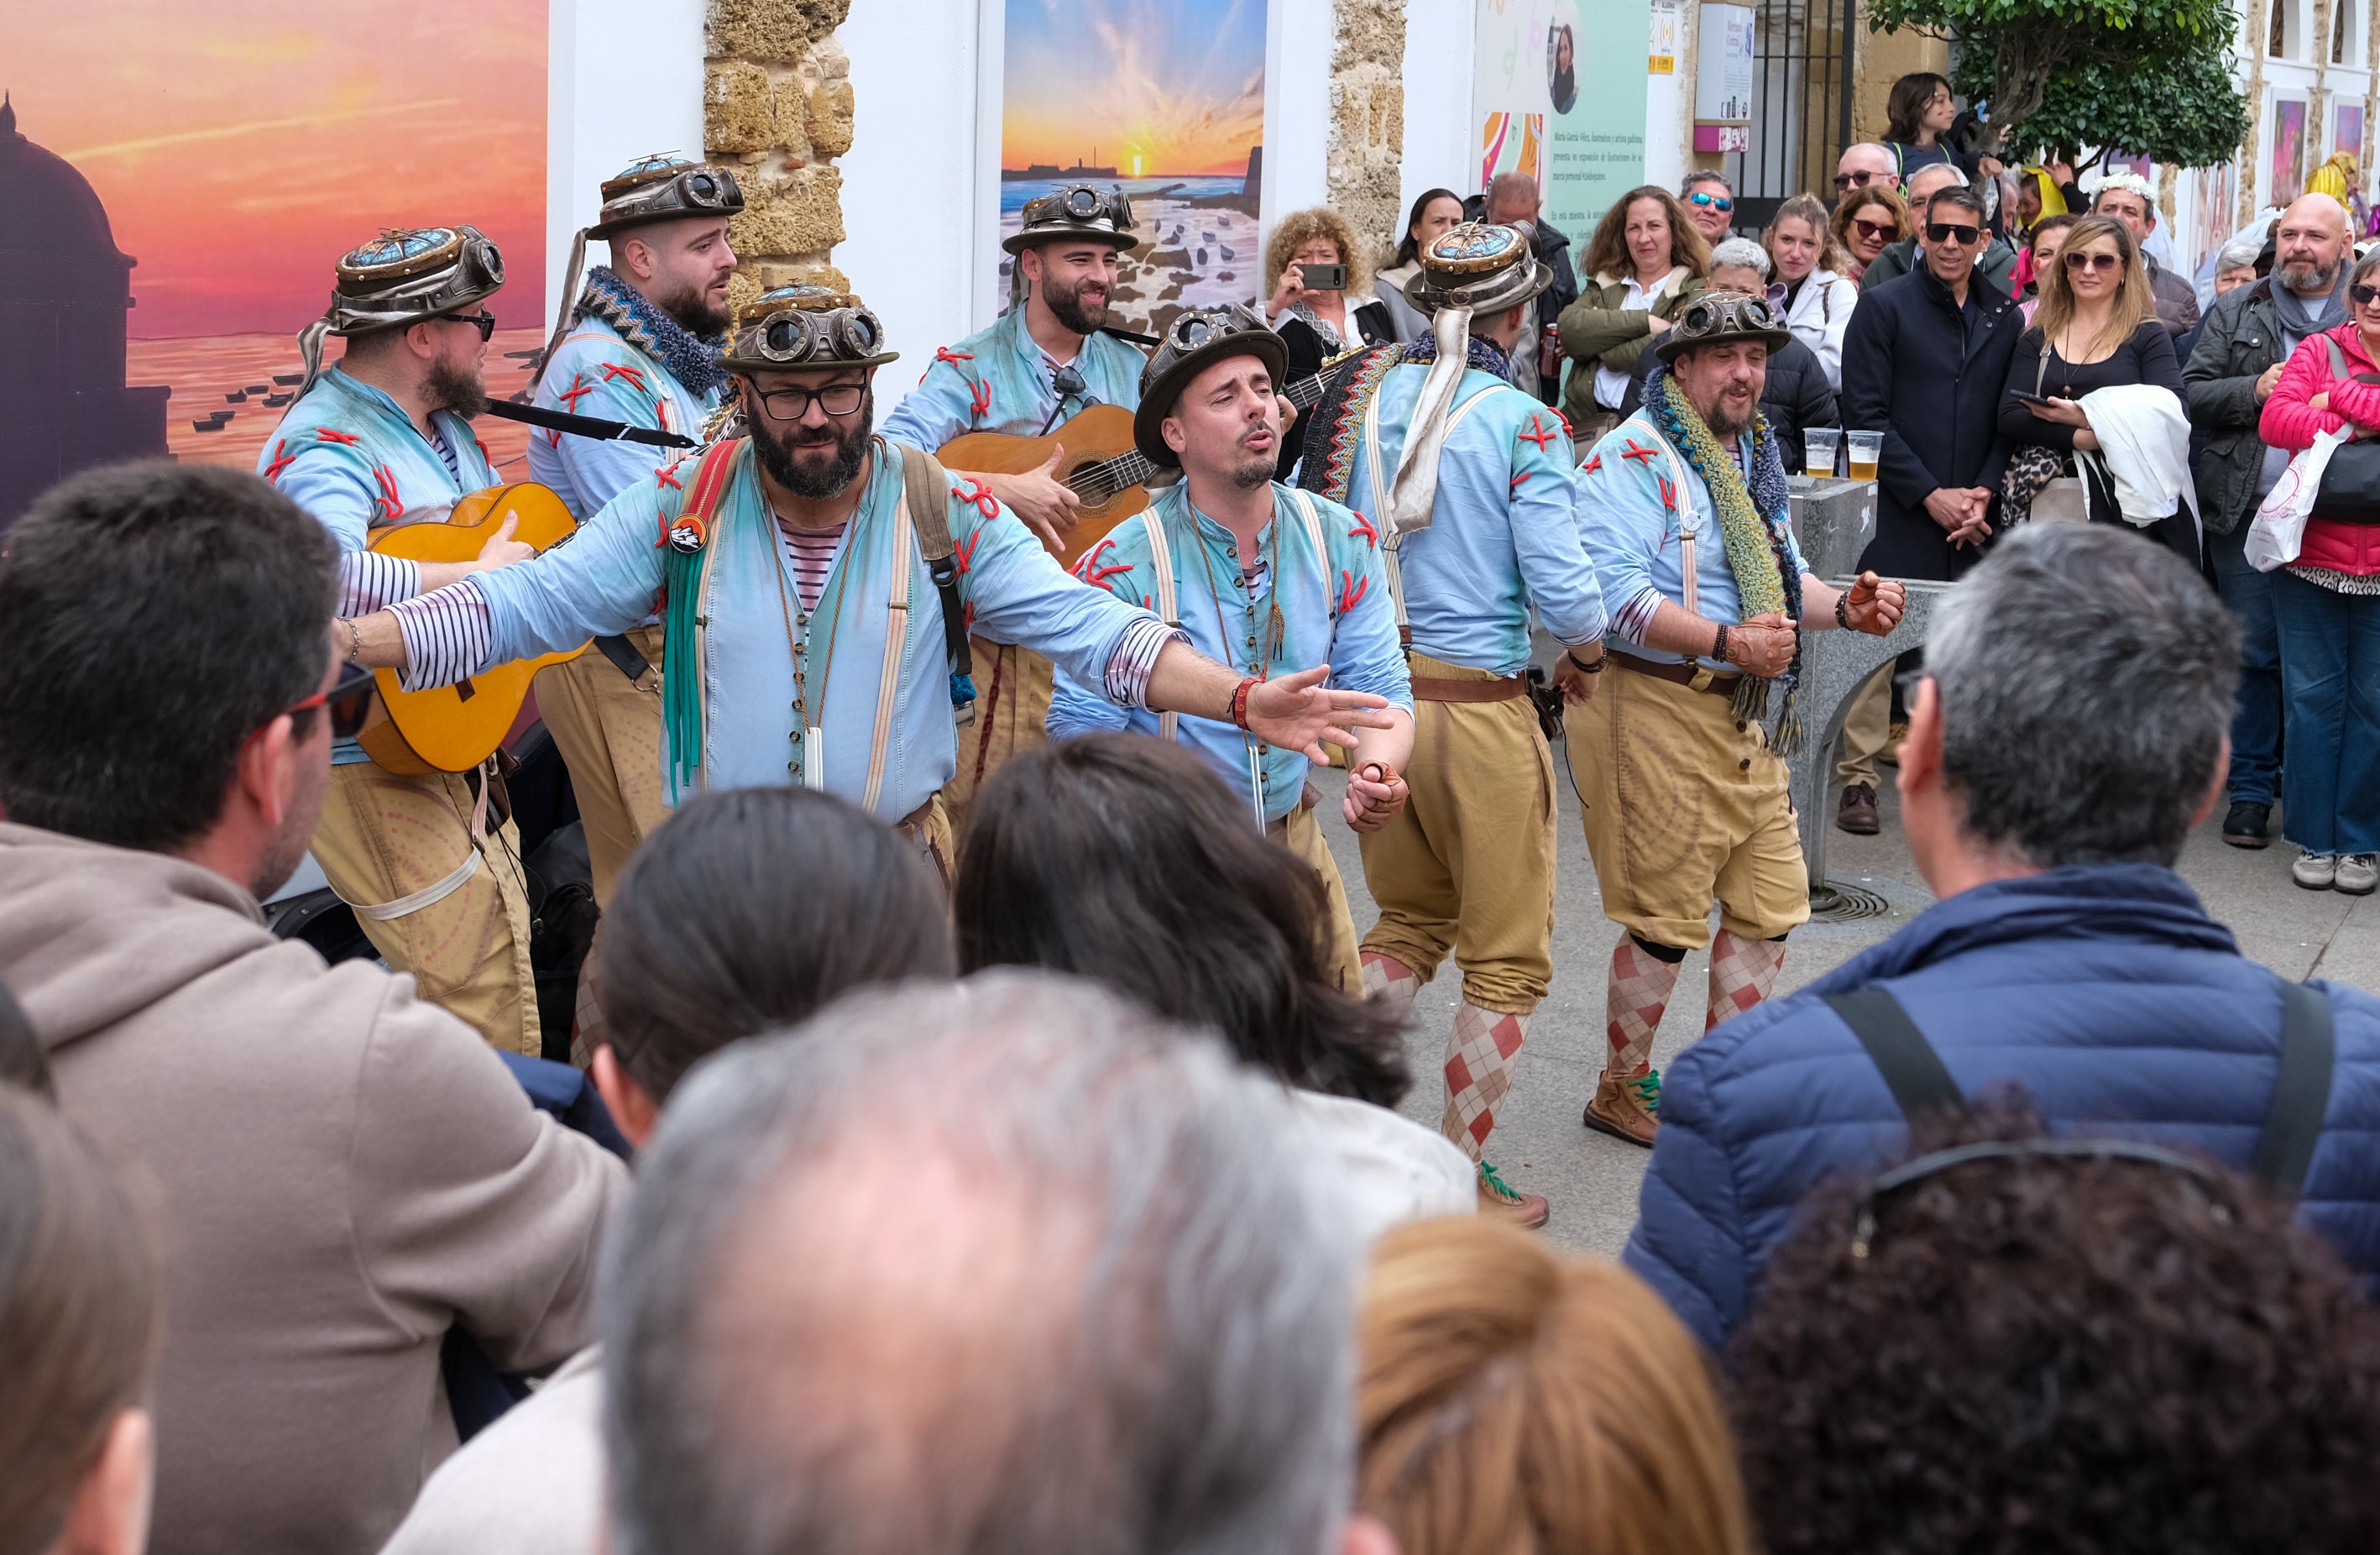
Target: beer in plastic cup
(1866,448)
(1818,451)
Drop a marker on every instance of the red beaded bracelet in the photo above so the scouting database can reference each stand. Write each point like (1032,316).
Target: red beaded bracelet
(1240,702)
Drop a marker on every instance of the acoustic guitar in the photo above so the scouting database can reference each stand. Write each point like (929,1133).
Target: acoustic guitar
(1101,466)
(454,728)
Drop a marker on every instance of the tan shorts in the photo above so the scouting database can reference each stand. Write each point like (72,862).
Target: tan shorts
(609,731)
(1684,805)
(1012,713)
(1468,864)
(1301,834)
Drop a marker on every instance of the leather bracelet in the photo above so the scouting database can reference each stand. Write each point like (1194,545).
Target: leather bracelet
(1718,646)
(1842,610)
(1583,666)
(1240,702)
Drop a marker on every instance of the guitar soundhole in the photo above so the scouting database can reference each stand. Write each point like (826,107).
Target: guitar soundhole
(464,690)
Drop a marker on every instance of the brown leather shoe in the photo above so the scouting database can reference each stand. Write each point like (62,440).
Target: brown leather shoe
(1627,1107)
(1857,814)
(1528,1211)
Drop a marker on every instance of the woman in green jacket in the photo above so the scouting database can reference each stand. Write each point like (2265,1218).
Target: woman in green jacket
(1646,262)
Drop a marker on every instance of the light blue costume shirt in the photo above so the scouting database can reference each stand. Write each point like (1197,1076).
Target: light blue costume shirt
(349,454)
(997,379)
(607,578)
(596,372)
(1334,609)
(1632,520)
(1503,533)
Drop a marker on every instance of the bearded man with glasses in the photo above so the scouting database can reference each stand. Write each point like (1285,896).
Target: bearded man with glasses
(1049,356)
(818,582)
(385,432)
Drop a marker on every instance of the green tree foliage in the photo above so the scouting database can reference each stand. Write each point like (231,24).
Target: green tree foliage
(2147,75)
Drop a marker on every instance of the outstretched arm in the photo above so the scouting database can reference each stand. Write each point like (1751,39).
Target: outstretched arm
(1295,712)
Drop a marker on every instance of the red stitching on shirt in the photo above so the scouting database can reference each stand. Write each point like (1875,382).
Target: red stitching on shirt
(282,460)
(633,374)
(1591,465)
(980,400)
(1350,591)
(1536,433)
(388,504)
(328,434)
(667,475)
(1518,479)
(1668,491)
(1633,451)
(1363,527)
(963,553)
(970,490)
(579,389)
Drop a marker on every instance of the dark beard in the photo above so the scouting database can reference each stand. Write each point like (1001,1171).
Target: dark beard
(1254,473)
(775,452)
(1724,426)
(1066,304)
(689,308)
(454,388)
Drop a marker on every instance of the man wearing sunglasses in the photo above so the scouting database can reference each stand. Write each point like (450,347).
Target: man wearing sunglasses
(1047,358)
(797,572)
(1709,203)
(640,344)
(1865,163)
(435,879)
(1996,262)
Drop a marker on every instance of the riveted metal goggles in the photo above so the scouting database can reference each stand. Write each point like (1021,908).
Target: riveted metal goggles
(796,336)
(1081,205)
(690,191)
(1720,314)
(403,276)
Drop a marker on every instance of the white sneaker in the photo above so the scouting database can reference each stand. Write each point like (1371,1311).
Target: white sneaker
(2358,874)
(2315,871)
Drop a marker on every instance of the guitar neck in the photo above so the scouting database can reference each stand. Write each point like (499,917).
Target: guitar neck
(1096,483)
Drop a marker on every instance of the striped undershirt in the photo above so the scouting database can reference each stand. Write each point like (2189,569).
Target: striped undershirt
(812,554)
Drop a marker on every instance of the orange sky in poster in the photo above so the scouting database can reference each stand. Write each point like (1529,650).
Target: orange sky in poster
(241,146)
(1178,83)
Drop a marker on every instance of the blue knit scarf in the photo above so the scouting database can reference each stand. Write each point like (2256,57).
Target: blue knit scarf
(691,359)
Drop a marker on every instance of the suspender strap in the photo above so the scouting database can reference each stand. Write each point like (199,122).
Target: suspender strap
(1911,1067)
(1313,525)
(2301,1093)
(925,486)
(1168,610)
(896,640)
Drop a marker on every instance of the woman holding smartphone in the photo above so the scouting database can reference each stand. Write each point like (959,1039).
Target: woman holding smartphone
(1318,322)
(2096,328)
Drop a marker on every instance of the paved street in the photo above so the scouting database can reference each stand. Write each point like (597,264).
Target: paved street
(1540,1145)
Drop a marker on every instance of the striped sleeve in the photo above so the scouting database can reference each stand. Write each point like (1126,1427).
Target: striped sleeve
(370,581)
(1134,660)
(1635,616)
(446,636)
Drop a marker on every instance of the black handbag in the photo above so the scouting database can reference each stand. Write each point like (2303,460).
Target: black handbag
(2350,492)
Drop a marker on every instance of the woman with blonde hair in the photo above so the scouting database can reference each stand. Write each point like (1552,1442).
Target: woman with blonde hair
(1808,287)
(1514,1402)
(1646,262)
(1868,221)
(1317,324)
(2096,329)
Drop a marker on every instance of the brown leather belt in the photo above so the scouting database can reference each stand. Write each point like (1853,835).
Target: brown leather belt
(1428,690)
(1676,675)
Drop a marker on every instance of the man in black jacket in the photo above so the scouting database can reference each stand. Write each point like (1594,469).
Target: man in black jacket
(2246,337)
(1924,362)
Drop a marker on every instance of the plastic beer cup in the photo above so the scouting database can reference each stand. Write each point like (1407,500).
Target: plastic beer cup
(1818,457)
(1866,448)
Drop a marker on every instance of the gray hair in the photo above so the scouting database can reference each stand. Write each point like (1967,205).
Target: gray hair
(2240,253)
(1740,253)
(1008,1267)
(2086,677)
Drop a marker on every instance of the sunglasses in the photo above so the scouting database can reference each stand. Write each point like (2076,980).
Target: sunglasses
(2364,296)
(1952,232)
(1719,202)
(1858,180)
(2102,263)
(484,321)
(347,703)
(1874,229)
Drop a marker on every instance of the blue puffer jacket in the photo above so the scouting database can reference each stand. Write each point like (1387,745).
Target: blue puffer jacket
(2105,992)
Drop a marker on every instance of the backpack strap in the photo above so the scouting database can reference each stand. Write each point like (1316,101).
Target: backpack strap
(2301,1091)
(1912,1069)
(925,486)
(1169,609)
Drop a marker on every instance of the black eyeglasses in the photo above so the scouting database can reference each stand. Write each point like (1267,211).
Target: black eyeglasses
(2364,296)
(1719,202)
(347,703)
(835,400)
(2090,261)
(484,321)
(1860,179)
(1951,232)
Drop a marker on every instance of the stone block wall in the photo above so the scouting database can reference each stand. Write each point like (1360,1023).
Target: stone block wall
(777,107)
(1368,117)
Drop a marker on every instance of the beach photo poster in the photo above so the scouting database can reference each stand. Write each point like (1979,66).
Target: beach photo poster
(1162,100)
(1553,99)
(234,151)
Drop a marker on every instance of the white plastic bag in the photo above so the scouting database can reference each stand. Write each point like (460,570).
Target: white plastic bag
(2280,529)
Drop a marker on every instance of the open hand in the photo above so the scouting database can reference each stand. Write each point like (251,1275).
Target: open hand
(1874,605)
(503,550)
(1761,645)
(1298,712)
(1375,794)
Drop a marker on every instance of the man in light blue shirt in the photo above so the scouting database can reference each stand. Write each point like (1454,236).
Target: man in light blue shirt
(810,625)
(1473,487)
(1268,580)
(1684,800)
(385,433)
(640,345)
(1047,360)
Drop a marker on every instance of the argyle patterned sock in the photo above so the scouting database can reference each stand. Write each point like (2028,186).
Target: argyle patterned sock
(1741,973)
(1479,1058)
(1640,990)
(1386,977)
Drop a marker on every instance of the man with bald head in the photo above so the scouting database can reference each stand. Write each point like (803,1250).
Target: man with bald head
(1865,163)
(2247,335)
(1998,264)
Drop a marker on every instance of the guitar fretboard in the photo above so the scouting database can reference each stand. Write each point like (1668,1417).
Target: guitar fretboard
(1096,483)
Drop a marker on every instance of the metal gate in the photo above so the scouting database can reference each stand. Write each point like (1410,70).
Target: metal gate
(1801,106)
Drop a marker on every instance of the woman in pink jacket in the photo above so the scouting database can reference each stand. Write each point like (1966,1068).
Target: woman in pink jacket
(2327,606)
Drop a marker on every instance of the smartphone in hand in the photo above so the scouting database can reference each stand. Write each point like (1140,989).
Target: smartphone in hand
(1324,277)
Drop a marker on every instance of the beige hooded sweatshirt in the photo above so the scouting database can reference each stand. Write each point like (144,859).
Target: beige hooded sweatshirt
(345,1174)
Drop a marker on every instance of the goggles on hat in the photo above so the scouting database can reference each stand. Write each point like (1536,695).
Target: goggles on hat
(800,336)
(1080,206)
(1195,327)
(1717,315)
(693,190)
(401,277)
